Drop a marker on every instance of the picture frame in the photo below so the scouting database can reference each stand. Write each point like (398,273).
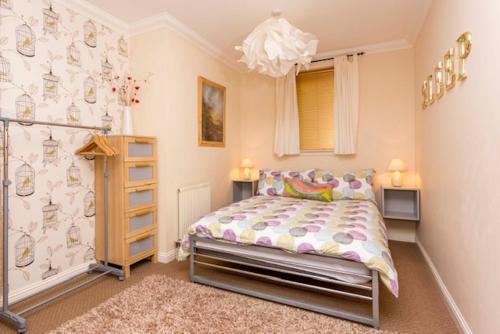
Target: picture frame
(211,113)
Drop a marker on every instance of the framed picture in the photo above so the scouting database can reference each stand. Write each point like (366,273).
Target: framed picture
(211,113)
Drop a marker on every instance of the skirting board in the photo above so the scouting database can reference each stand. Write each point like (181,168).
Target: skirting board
(168,256)
(35,288)
(455,311)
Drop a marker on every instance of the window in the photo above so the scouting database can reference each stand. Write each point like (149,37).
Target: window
(315,94)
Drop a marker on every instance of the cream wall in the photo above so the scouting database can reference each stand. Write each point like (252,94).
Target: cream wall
(386,124)
(169,112)
(458,158)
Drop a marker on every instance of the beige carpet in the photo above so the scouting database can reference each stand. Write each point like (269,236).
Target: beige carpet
(419,309)
(159,304)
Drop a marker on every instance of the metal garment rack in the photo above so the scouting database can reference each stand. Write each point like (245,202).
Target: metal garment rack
(229,262)
(16,319)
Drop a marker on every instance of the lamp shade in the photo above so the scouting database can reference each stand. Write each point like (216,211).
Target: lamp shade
(397,165)
(246,163)
(275,47)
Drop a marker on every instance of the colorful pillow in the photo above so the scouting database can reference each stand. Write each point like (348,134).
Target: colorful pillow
(307,175)
(271,181)
(307,190)
(350,185)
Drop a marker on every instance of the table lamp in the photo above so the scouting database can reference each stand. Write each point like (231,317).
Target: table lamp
(397,166)
(246,164)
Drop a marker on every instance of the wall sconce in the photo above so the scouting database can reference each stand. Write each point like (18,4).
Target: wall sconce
(397,166)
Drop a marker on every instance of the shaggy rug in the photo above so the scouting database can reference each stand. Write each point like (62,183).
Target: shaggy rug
(162,305)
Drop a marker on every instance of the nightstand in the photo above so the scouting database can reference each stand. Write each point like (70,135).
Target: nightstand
(243,189)
(400,203)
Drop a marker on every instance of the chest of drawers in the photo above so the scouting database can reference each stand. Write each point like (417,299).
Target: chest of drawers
(132,202)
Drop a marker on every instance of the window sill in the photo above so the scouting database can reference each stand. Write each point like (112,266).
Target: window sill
(317,153)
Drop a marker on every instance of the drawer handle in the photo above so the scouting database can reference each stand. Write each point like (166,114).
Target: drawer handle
(142,165)
(143,238)
(140,213)
(142,141)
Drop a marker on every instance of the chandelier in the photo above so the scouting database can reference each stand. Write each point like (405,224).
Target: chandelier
(275,46)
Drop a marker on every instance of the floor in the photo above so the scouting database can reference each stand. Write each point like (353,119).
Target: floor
(420,307)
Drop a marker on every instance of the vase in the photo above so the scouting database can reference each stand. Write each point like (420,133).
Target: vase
(127,124)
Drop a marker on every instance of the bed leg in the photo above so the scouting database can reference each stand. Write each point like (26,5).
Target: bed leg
(375,300)
(191,259)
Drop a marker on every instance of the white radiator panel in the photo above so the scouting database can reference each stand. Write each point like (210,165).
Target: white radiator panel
(194,203)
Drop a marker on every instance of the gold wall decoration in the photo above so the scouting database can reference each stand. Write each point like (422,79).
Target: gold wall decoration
(464,47)
(449,69)
(439,80)
(445,74)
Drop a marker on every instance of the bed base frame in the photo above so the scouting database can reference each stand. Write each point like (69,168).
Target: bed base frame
(225,259)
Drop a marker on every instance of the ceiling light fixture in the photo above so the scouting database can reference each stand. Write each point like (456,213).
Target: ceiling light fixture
(275,46)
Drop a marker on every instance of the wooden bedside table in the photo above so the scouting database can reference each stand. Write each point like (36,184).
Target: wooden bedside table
(400,203)
(243,189)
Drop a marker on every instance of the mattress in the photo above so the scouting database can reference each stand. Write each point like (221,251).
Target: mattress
(351,230)
(332,267)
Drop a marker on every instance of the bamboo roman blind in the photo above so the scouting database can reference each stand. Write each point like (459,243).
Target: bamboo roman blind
(315,94)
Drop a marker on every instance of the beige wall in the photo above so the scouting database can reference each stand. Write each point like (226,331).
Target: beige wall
(458,159)
(386,120)
(169,112)
(386,124)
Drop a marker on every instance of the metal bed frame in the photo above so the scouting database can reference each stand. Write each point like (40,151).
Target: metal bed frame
(16,319)
(225,261)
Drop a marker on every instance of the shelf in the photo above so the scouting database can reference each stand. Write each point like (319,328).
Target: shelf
(401,215)
(401,203)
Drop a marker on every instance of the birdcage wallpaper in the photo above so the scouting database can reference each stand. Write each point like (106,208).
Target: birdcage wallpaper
(90,90)
(25,250)
(73,115)
(122,97)
(50,85)
(42,88)
(89,204)
(4,69)
(73,176)
(122,47)
(107,71)
(73,55)
(6,4)
(25,180)
(50,150)
(73,237)
(50,20)
(106,121)
(49,212)
(50,272)
(90,34)
(89,255)
(25,40)
(25,108)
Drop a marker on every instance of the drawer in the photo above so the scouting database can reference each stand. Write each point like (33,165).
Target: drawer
(139,149)
(139,173)
(140,197)
(140,221)
(141,246)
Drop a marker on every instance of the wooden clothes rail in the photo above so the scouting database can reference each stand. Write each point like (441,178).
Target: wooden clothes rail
(16,319)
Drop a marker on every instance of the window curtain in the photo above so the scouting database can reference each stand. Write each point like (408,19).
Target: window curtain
(286,137)
(346,105)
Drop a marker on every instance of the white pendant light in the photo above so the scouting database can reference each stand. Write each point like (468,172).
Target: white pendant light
(275,46)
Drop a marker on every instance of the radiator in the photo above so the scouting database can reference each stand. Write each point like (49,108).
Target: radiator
(194,203)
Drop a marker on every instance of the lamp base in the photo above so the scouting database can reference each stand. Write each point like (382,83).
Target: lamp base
(397,179)
(246,174)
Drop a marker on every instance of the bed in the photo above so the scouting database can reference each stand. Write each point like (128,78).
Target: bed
(337,247)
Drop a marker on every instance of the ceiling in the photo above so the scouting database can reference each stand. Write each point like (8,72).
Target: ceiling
(338,24)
